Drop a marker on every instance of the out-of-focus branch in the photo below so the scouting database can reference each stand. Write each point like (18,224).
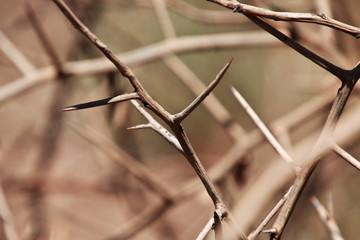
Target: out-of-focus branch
(326,219)
(46,44)
(7,218)
(120,156)
(14,54)
(192,12)
(139,222)
(135,57)
(335,70)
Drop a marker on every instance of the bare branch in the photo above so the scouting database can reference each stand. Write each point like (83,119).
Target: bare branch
(120,156)
(140,126)
(192,12)
(312,160)
(135,57)
(164,18)
(179,132)
(7,218)
(212,104)
(49,49)
(157,127)
(189,78)
(289,16)
(119,98)
(253,235)
(123,69)
(345,155)
(326,219)
(208,227)
(14,54)
(75,21)
(140,221)
(330,204)
(274,143)
(335,70)
(324,6)
(184,113)
(255,17)
(348,78)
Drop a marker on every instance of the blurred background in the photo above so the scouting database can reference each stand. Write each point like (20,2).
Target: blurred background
(75,175)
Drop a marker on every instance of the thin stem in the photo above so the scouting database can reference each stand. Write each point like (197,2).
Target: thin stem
(190,154)
(345,155)
(265,131)
(123,69)
(7,218)
(119,156)
(208,227)
(139,222)
(335,70)
(164,18)
(157,127)
(304,175)
(14,54)
(35,77)
(253,235)
(49,49)
(212,104)
(326,219)
(289,16)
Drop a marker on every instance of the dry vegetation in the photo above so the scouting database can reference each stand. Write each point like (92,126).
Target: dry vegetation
(263,106)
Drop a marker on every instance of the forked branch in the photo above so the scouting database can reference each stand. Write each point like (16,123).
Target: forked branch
(348,79)
(171,120)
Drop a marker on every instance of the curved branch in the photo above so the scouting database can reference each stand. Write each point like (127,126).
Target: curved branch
(320,19)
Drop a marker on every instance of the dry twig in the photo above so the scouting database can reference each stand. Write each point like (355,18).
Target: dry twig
(320,18)
(326,219)
(173,121)
(347,77)
(345,155)
(272,140)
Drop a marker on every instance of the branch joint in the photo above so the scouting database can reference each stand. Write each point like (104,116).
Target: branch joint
(238,9)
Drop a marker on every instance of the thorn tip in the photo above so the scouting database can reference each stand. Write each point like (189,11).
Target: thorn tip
(231,60)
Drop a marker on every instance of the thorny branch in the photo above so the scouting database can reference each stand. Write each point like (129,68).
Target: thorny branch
(173,121)
(347,77)
(254,234)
